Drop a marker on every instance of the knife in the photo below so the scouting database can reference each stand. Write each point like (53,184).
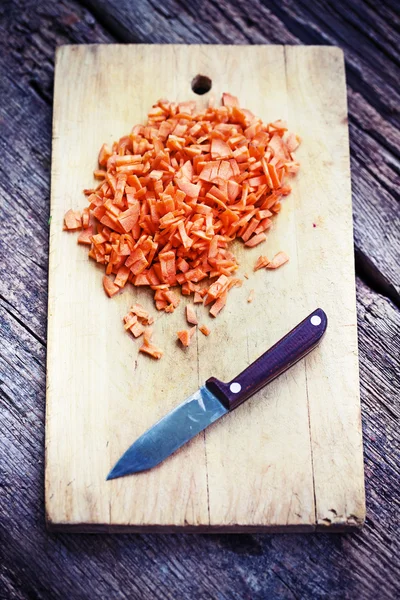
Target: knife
(215,399)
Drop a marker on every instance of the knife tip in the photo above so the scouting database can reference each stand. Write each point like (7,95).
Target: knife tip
(113,474)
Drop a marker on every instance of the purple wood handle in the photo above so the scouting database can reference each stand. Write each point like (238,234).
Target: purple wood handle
(296,344)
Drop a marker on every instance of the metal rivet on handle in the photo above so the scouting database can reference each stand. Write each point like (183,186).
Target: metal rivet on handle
(315,320)
(235,387)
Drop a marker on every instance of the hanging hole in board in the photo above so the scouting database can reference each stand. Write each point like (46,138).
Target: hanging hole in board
(201,84)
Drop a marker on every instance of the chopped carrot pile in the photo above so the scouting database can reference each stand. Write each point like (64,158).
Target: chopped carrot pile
(175,192)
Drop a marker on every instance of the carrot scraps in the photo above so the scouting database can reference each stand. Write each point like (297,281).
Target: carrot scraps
(205,330)
(279,259)
(185,336)
(174,193)
(261,263)
(109,287)
(251,296)
(72,220)
(151,349)
(191,315)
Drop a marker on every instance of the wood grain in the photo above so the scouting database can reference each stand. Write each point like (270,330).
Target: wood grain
(102,395)
(36,564)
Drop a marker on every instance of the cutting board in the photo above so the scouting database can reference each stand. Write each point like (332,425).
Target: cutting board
(289,459)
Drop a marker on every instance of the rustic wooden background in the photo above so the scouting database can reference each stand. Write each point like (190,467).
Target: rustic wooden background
(38,565)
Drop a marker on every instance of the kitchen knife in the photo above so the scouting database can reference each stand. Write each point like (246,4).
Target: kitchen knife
(215,399)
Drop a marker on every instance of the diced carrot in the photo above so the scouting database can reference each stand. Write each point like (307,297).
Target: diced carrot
(220,149)
(104,154)
(205,330)
(218,304)
(171,298)
(137,329)
(229,100)
(85,237)
(141,313)
(191,315)
(151,350)
(255,240)
(72,220)
(122,276)
(109,287)
(261,262)
(279,259)
(185,336)
(176,192)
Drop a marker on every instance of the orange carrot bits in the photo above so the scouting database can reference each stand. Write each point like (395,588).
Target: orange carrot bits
(173,195)
(218,304)
(168,267)
(205,330)
(279,259)
(104,154)
(72,220)
(122,276)
(229,100)
(135,327)
(261,262)
(85,237)
(150,349)
(218,287)
(109,287)
(191,315)
(255,240)
(220,149)
(185,336)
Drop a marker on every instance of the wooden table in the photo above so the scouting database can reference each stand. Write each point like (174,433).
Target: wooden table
(36,564)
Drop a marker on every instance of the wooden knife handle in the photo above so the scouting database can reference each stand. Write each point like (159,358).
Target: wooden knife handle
(285,353)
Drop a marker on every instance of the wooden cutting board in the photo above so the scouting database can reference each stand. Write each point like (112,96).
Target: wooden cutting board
(289,459)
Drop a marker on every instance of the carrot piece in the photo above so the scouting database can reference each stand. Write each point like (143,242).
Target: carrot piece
(85,237)
(191,315)
(104,154)
(142,314)
(151,350)
(109,287)
(218,287)
(229,100)
(220,149)
(251,296)
(198,299)
(171,298)
(255,240)
(72,220)
(261,262)
(205,330)
(185,336)
(218,304)
(279,259)
(137,329)
(122,276)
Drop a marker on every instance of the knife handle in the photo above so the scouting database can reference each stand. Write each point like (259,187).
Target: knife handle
(285,353)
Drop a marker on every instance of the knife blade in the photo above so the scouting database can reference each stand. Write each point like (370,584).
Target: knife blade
(216,398)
